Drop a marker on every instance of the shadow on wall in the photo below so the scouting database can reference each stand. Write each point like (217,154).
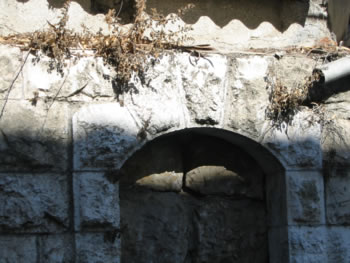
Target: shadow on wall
(280,13)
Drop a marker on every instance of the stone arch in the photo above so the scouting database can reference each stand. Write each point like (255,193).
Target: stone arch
(169,176)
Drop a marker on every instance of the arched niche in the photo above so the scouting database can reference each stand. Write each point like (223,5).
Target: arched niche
(201,195)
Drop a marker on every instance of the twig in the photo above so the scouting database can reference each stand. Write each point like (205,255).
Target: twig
(54,99)
(120,8)
(12,83)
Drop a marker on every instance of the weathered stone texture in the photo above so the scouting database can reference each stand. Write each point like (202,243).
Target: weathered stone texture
(338,244)
(204,84)
(336,143)
(56,248)
(180,228)
(34,203)
(104,136)
(37,139)
(96,201)
(338,197)
(156,97)
(305,197)
(297,145)
(158,220)
(97,247)
(85,80)
(19,249)
(11,61)
(247,96)
(307,244)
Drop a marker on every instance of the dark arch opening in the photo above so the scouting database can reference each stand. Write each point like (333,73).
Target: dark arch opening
(196,195)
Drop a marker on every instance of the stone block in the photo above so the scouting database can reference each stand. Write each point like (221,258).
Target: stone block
(56,248)
(228,229)
(305,198)
(34,203)
(156,98)
(297,145)
(338,243)
(84,80)
(37,139)
(204,82)
(97,247)
(337,187)
(336,143)
(19,249)
(155,225)
(247,97)
(11,61)
(104,137)
(307,244)
(96,200)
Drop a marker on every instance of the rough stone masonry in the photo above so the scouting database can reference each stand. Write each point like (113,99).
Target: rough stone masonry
(185,167)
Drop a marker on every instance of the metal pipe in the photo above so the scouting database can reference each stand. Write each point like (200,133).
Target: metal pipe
(333,71)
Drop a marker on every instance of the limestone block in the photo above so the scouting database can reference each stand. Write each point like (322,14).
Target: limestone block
(338,197)
(104,136)
(97,247)
(85,79)
(336,143)
(157,166)
(156,98)
(291,71)
(338,105)
(56,248)
(19,249)
(34,137)
(305,197)
(34,203)
(155,224)
(96,201)
(298,144)
(11,61)
(247,96)
(338,244)
(307,244)
(244,238)
(204,86)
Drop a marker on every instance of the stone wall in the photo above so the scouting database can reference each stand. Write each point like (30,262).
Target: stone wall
(61,157)
(78,159)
